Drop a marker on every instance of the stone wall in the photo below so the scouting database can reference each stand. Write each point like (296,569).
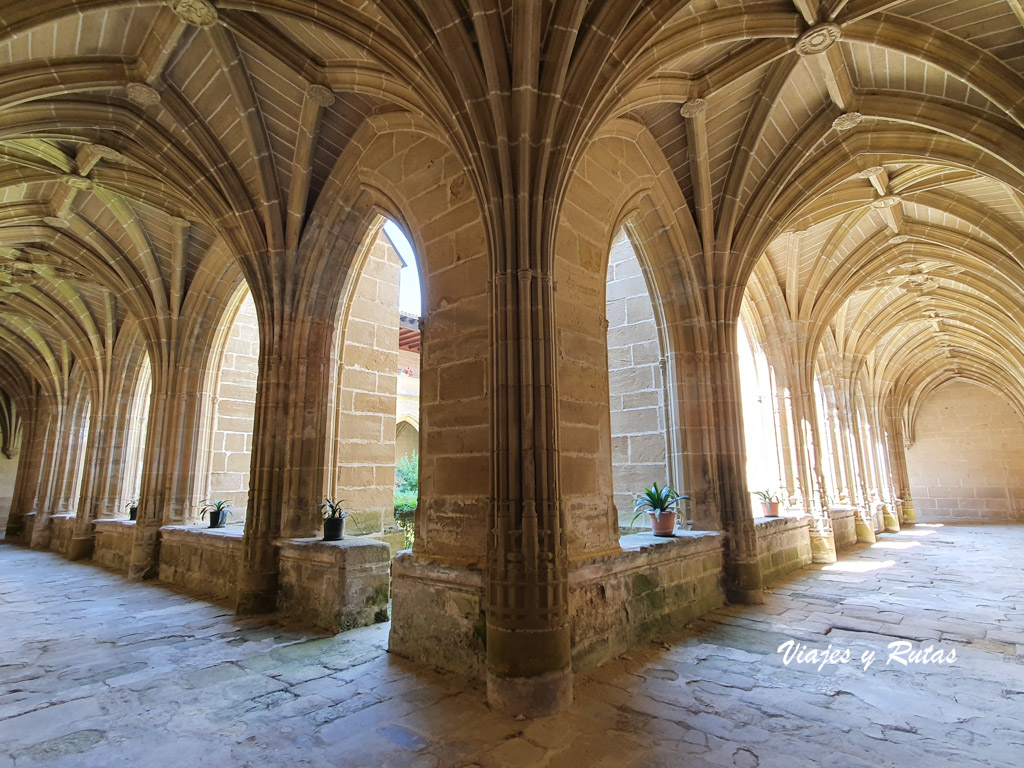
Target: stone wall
(616,601)
(365,452)
(231,445)
(113,544)
(8,471)
(653,585)
(968,459)
(62,529)
(438,615)
(844,526)
(584,426)
(203,560)
(27,530)
(635,381)
(335,585)
(783,546)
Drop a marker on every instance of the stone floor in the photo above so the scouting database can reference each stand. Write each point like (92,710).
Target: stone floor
(96,671)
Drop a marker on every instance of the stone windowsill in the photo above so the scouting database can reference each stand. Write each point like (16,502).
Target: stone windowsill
(111,522)
(236,531)
(779,524)
(352,550)
(639,551)
(639,542)
(838,512)
(229,538)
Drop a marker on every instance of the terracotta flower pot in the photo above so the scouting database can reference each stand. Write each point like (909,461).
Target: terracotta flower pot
(770,508)
(665,526)
(217,519)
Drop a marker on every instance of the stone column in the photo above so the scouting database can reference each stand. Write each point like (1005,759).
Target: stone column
(287,476)
(145,559)
(823,545)
(528,658)
(169,481)
(35,433)
(54,473)
(693,396)
(787,446)
(743,582)
(104,466)
(807,438)
(900,476)
(865,519)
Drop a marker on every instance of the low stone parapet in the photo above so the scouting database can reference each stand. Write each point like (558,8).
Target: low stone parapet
(20,531)
(112,547)
(844,526)
(62,530)
(203,560)
(650,585)
(783,545)
(334,585)
(438,614)
(876,515)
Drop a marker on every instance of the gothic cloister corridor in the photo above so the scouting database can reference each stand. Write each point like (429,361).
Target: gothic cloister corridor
(100,672)
(468,279)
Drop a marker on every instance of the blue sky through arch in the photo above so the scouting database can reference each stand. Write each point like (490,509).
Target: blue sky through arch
(409,277)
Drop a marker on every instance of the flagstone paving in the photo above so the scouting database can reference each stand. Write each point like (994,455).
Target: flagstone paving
(98,671)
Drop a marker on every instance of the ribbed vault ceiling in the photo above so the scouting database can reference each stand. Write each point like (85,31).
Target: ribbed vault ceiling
(860,161)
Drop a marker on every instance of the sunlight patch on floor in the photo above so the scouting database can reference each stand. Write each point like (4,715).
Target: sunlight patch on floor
(895,544)
(859,566)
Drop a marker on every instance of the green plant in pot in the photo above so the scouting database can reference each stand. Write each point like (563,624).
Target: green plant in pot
(769,503)
(334,519)
(133,508)
(218,511)
(660,504)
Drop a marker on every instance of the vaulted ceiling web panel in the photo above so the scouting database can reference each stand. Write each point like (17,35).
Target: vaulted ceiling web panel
(991,195)
(279,93)
(669,130)
(879,69)
(340,121)
(726,115)
(801,97)
(105,32)
(990,24)
(944,219)
(203,82)
(317,42)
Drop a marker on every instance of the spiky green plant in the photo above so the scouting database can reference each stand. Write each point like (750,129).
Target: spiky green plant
(215,506)
(332,508)
(657,501)
(768,497)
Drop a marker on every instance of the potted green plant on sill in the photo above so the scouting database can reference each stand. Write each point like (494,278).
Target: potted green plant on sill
(769,503)
(133,508)
(334,519)
(660,504)
(218,510)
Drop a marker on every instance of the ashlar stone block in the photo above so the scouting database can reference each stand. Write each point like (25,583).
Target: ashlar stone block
(335,585)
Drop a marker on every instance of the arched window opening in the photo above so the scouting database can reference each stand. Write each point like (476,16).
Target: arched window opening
(10,449)
(80,439)
(234,404)
(376,466)
(138,428)
(636,383)
(827,448)
(760,422)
